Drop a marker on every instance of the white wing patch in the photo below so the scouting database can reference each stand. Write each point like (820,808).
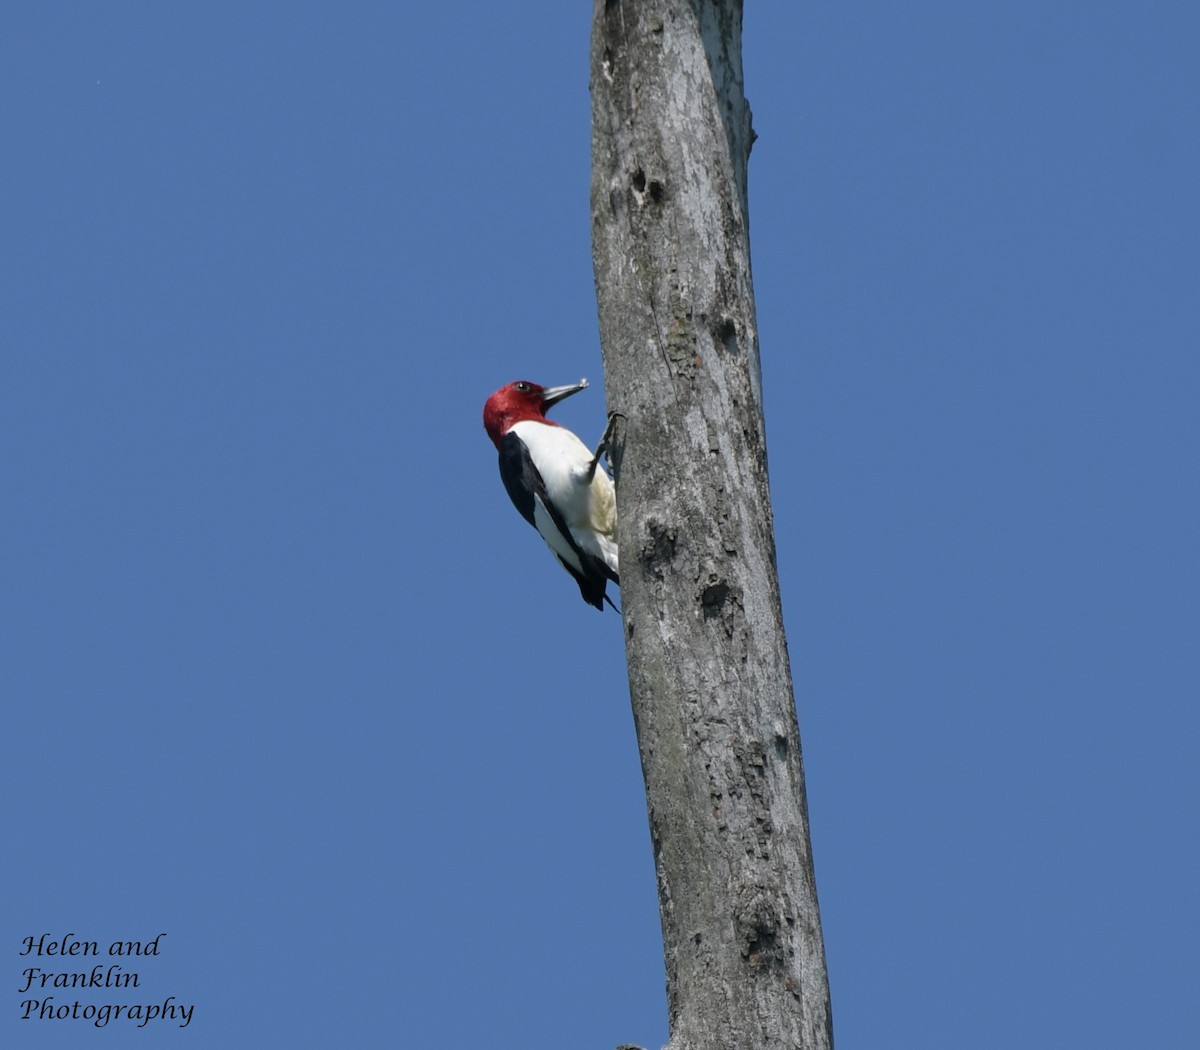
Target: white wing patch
(553,537)
(589,510)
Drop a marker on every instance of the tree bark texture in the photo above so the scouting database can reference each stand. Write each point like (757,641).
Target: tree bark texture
(708,667)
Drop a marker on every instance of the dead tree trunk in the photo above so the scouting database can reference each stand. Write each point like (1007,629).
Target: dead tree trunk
(708,666)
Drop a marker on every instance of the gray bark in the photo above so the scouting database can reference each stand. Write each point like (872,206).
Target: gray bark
(709,674)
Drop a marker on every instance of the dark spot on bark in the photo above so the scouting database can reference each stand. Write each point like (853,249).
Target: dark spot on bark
(659,548)
(781,746)
(726,335)
(610,4)
(645,189)
(760,948)
(758,925)
(713,598)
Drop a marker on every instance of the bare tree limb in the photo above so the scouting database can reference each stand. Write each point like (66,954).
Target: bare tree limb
(708,666)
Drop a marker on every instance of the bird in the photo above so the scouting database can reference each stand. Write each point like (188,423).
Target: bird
(552,478)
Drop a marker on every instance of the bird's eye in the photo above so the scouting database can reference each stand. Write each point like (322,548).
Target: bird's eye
(522,387)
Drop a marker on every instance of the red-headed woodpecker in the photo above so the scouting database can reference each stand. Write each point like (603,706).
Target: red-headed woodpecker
(552,478)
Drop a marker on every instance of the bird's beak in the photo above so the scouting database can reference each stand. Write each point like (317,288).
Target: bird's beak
(554,394)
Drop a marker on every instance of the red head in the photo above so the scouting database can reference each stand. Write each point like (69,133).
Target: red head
(522,400)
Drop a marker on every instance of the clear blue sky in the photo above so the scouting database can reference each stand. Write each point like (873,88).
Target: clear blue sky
(288,679)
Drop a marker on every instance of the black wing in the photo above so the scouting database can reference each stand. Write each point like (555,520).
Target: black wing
(521,478)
